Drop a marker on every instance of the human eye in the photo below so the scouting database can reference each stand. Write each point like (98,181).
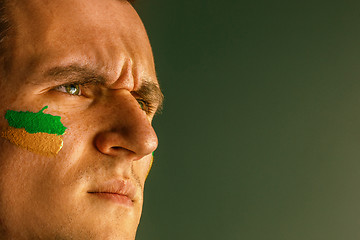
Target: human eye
(145,106)
(72,89)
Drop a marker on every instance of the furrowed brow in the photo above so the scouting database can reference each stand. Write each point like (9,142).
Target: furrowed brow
(74,73)
(151,93)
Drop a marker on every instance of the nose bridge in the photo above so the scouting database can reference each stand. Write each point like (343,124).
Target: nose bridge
(126,77)
(129,129)
(135,123)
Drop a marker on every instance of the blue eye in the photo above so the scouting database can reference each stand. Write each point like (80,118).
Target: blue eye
(72,89)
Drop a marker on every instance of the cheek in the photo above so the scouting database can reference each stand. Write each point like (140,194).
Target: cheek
(142,168)
(42,143)
(35,131)
(22,173)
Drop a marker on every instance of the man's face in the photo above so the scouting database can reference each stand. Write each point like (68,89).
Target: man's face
(99,47)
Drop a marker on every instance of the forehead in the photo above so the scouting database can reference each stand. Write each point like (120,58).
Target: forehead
(105,34)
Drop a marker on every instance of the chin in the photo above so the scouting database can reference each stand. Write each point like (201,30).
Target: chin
(97,231)
(112,225)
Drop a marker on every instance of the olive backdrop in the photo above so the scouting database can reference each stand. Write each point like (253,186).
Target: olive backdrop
(260,134)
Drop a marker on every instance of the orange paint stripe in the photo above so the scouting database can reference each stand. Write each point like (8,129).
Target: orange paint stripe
(150,166)
(43,143)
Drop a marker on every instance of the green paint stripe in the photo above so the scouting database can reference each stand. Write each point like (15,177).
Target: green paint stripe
(36,122)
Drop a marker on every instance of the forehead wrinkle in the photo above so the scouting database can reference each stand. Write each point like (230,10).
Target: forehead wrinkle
(148,90)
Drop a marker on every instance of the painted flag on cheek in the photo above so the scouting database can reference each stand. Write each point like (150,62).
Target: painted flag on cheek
(38,132)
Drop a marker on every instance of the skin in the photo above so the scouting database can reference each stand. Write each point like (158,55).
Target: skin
(109,135)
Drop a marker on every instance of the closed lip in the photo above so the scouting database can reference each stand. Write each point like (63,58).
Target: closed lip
(116,189)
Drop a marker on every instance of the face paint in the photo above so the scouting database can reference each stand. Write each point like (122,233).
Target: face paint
(38,132)
(151,163)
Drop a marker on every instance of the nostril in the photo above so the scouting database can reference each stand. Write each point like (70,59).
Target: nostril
(107,143)
(116,148)
(140,141)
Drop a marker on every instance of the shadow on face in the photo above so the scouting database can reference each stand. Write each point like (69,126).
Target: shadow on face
(90,63)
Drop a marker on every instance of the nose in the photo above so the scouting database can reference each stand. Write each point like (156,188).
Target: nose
(128,130)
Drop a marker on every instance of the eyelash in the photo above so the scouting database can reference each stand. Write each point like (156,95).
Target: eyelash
(79,92)
(146,106)
(149,109)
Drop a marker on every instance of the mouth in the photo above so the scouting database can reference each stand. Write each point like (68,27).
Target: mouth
(115,198)
(116,191)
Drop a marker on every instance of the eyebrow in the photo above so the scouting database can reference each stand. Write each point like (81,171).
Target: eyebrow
(151,93)
(74,73)
(148,90)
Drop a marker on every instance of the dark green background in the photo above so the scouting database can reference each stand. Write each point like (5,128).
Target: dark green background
(260,136)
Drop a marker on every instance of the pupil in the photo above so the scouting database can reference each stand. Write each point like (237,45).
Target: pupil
(72,89)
